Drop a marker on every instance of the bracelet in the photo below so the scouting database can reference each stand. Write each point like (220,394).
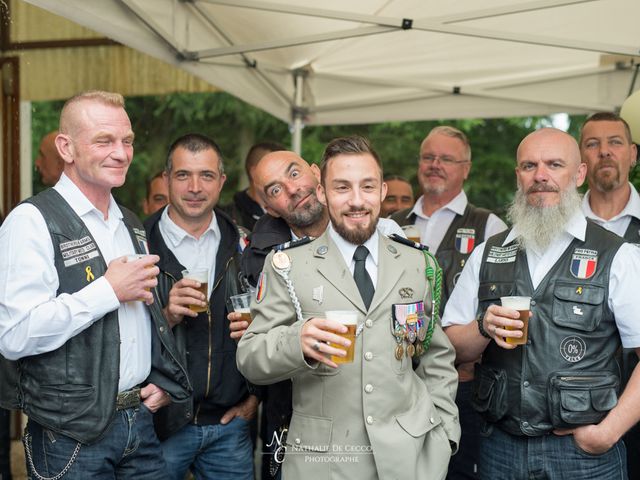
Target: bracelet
(480,320)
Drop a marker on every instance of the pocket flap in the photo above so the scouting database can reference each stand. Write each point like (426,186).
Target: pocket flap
(420,419)
(309,433)
(485,387)
(604,399)
(579,293)
(575,400)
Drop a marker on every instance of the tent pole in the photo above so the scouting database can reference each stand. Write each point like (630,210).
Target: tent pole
(297,114)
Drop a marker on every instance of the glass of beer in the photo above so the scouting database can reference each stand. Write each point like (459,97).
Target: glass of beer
(522,304)
(412,233)
(199,275)
(241,304)
(139,256)
(349,318)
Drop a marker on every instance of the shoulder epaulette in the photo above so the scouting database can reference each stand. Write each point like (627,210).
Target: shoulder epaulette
(293,243)
(405,241)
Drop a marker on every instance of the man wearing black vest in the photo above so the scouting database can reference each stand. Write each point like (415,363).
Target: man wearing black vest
(87,352)
(451,227)
(210,434)
(552,406)
(613,203)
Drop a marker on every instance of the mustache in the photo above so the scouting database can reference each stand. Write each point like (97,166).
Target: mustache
(435,171)
(605,164)
(542,187)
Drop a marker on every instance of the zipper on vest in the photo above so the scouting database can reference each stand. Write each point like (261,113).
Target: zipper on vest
(210,323)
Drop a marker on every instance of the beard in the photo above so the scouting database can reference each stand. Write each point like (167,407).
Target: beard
(538,225)
(606,182)
(307,215)
(429,188)
(357,234)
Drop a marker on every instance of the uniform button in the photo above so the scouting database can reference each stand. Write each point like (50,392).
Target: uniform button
(432,420)
(298,441)
(525,424)
(368,388)
(526,384)
(369,419)
(369,323)
(161,329)
(368,356)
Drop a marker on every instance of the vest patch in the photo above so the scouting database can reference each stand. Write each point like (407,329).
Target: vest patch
(465,240)
(583,263)
(573,349)
(77,251)
(499,254)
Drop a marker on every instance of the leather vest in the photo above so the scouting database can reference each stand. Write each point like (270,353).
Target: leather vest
(632,235)
(463,235)
(72,390)
(568,373)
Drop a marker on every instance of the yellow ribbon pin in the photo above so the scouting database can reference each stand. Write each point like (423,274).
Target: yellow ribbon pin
(90,275)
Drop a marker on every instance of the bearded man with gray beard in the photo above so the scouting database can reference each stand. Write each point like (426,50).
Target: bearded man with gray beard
(555,396)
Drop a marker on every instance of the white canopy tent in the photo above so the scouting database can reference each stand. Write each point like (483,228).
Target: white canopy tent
(366,61)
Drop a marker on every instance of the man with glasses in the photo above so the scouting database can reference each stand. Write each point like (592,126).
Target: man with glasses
(451,227)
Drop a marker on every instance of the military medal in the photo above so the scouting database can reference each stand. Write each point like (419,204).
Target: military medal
(419,349)
(399,351)
(411,350)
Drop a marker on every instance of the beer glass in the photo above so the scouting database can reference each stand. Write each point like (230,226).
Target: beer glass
(241,303)
(522,304)
(138,256)
(199,275)
(412,233)
(349,318)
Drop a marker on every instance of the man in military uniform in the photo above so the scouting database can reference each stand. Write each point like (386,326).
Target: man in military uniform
(390,413)
(613,203)
(451,227)
(555,397)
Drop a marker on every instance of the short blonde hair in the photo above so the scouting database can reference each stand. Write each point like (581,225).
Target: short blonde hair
(99,96)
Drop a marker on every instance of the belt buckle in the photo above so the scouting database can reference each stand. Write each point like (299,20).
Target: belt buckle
(128,399)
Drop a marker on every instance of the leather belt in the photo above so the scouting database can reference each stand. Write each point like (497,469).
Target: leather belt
(128,399)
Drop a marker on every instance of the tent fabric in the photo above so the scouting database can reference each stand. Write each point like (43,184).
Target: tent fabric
(365,61)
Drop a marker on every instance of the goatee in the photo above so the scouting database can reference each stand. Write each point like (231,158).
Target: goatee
(537,225)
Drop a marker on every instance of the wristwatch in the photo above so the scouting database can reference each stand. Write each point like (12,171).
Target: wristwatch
(480,320)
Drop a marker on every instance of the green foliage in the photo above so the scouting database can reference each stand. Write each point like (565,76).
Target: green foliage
(235,126)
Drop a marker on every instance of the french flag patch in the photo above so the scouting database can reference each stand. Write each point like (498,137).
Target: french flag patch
(584,263)
(465,240)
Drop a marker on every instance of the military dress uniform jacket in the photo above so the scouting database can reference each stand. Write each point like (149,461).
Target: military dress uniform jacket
(377,417)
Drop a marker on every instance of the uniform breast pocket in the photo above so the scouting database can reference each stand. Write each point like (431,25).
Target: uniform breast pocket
(578,306)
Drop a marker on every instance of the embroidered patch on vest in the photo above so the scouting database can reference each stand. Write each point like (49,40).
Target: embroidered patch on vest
(584,262)
(78,251)
(573,349)
(465,240)
(502,254)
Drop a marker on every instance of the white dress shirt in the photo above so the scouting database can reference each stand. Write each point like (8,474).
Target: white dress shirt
(433,229)
(623,280)
(619,223)
(347,250)
(33,320)
(192,253)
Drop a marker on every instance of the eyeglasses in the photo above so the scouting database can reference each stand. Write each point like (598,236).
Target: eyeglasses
(444,159)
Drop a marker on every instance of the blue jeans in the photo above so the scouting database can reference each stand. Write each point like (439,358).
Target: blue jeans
(129,449)
(220,452)
(510,457)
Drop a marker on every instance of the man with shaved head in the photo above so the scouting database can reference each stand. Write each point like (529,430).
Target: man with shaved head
(49,163)
(86,351)
(287,185)
(551,405)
